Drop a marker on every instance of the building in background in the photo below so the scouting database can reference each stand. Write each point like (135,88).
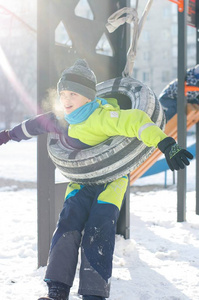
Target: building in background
(156,60)
(155,63)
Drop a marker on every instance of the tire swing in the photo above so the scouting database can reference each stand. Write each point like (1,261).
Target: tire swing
(118,155)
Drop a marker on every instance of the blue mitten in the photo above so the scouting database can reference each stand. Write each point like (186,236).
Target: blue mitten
(176,157)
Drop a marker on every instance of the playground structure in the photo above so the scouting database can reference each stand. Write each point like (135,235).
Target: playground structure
(52,58)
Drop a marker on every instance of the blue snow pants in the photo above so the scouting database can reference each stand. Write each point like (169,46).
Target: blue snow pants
(91,211)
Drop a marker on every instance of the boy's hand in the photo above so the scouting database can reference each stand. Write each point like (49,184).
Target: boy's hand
(176,157)
(4,137)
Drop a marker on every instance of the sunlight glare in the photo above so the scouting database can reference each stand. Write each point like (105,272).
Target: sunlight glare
(16,84)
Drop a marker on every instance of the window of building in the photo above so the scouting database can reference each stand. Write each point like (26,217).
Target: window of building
(174,8)
(145,36)
(165,54)
(145,76)
(165,34)
(174,72)
(191,50)
(174,51)
(190,30)
(166,12)
(135,73)
(133,3)
(146,55)
(174,29)
(165,76)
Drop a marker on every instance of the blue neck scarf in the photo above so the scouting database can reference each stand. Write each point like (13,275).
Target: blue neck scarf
(83,112)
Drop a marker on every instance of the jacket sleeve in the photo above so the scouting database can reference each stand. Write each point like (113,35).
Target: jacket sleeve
(35,126)
(132,123)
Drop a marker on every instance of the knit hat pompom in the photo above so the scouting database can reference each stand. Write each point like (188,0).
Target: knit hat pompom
(81,62)
(78,78)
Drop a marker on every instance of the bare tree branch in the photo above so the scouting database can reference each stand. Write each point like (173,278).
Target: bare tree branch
(18,18)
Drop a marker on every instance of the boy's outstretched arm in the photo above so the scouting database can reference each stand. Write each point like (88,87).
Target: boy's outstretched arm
(40,124)
(137,123)
(176,157)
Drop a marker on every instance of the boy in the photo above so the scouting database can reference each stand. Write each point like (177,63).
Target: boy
(168,97)
(94,209)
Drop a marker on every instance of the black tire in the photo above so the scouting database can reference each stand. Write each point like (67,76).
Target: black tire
(116,156)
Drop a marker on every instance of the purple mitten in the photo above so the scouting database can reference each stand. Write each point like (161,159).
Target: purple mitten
(4,137)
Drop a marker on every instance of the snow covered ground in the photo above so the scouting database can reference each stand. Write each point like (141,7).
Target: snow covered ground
(159,261)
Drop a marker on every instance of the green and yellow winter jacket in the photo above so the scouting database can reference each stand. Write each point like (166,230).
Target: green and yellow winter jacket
(106,121)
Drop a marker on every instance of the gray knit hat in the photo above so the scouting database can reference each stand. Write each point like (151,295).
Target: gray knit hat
(80,79)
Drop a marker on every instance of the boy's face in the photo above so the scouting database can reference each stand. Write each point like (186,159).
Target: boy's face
(70,101)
